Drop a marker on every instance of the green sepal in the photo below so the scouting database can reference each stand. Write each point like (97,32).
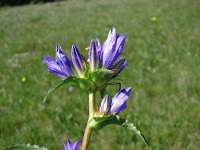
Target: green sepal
(24,147)
(100,78)
(81,83)
(100,121)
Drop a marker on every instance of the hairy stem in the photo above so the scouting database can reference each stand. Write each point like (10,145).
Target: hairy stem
(88,130)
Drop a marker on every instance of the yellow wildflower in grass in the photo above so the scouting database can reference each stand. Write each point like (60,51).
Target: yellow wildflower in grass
(154,19)
(23,79)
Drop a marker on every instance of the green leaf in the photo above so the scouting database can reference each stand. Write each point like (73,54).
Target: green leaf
(126,124)
(68,80)
(133,128)
(24,147)
(101,121)
(83,84)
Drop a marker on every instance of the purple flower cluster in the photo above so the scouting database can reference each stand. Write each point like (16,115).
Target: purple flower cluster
(117,104)
(70,146)
(100,56)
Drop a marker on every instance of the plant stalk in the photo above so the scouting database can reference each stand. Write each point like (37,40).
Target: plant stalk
(86,138)
(92,110)
(88,130)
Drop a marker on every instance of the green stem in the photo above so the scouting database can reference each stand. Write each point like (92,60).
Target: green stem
(91,105)
(88,130)
(86,138)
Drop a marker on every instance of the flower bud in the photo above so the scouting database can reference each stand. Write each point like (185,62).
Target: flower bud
(93,56)
(105,104)
(77,61)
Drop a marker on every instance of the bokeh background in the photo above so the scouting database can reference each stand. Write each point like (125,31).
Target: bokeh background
(162,50)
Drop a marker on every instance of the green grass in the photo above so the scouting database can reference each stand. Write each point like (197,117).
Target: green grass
(163,69)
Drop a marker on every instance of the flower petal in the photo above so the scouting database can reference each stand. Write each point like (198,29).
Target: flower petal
(63,61)
(53,67)
(93,56)
(68,145)
(120,43)
(109,48)
(119,101)
(112,48)
(98,42)
(75,145)
(99,51)
(105,104)
(119,66)
(77,60)
(118,49)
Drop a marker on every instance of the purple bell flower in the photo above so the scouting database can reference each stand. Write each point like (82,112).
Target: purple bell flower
(70,146)
(117,104)
(109,52)
(61,66)
(112,48)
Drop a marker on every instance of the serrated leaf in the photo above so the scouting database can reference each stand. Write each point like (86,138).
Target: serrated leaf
(133,128)
(68,80)
(24,147)
(83,84)
(125,123)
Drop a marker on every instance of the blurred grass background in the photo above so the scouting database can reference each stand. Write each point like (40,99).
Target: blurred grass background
(163,69)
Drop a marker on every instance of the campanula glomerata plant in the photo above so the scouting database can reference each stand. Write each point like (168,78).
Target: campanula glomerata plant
(94,74)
